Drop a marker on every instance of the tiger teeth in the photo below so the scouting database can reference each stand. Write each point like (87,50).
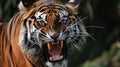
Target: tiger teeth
(61,43)
(53,58)
(51,43)
(61,57)
(48,45)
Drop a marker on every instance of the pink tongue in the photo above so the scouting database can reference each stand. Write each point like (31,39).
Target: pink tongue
(55,50)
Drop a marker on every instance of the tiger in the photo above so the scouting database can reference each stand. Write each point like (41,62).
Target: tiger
(43,34)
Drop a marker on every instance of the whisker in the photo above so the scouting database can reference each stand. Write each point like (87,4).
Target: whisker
(83,35)
(93,27)
(75,43)
(80,20)
(79,34)
(90,35)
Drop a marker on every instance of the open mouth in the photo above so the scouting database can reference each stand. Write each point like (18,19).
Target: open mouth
(55,50)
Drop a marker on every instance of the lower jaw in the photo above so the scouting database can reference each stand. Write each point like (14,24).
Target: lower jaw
(56,57)
(62,63)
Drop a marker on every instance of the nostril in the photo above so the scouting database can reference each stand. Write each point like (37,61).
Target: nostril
(54,36)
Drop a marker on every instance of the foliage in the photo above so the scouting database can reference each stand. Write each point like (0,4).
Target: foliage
(109,58)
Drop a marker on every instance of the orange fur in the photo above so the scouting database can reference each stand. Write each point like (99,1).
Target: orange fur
(11,54)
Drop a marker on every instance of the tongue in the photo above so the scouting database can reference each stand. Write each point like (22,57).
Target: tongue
(55,51)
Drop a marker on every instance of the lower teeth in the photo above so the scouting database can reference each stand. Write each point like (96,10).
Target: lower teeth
(57,57)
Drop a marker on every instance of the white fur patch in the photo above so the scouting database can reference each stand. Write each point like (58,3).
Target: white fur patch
(72,1)
(40,14)
(22,37)
(22,8)
(62,64)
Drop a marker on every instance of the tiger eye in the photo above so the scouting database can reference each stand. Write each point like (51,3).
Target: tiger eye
(42,22)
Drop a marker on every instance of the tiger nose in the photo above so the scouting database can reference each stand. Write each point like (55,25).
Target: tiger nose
(54,36)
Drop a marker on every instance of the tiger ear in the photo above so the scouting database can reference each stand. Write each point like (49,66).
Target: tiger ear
(22,8)
(73,5)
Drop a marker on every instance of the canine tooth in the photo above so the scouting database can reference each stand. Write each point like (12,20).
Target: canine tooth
(51,59)
(61,43)
(49,46)
(60,57)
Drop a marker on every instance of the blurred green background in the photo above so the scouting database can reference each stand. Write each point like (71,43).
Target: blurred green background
(102,23)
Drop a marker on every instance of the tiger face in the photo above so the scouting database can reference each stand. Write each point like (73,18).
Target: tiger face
(51,30)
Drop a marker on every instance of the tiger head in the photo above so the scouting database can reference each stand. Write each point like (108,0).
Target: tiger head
(51,30)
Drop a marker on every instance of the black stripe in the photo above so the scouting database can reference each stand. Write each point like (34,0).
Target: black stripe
(17,21)
(9,28)
(42,7)
(30,61)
